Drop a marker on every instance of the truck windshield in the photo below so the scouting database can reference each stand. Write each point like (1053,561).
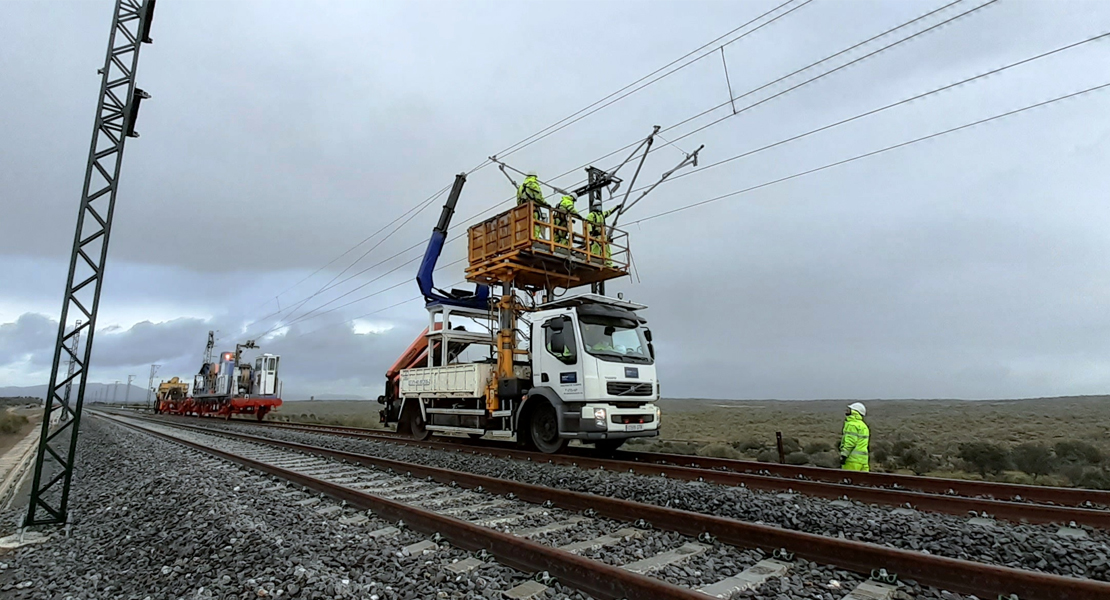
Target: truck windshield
(614,340)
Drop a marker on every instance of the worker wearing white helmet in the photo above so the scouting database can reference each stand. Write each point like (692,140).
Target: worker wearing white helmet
(853,446)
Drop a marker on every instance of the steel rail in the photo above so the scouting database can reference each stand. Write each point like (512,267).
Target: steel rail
(939,502)
(955,575)
(934,485)
(593,577)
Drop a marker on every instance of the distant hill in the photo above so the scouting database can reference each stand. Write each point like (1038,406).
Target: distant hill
(93,392)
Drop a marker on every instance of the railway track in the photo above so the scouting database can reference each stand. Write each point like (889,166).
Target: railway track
(506,518)
(1011,502)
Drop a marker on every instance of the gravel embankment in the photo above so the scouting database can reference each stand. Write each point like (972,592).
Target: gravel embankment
(151,520)
(1034,547)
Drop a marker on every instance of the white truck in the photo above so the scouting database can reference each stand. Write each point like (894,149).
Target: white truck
(585,368)
(575,367)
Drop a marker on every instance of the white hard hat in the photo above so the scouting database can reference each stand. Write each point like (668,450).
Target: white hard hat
(858,407)
(531,173)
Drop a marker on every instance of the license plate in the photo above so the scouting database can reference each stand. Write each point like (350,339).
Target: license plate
(634,427)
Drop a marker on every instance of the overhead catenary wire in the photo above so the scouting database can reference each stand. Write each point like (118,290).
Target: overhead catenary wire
(808,81)
(372,294)
(562,123)
(371,313)
(770,83)
(869,154)
(874,111)
(827,73)
(866,114)
(765,100)
(568,121)
(345,253)
(330,283)
(782,78)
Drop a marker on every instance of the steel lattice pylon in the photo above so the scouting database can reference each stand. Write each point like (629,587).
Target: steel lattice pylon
(115,122)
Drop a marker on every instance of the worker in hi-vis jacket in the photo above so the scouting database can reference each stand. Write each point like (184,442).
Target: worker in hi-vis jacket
(853,445)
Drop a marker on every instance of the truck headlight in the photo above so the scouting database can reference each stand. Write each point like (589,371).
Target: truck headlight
(599,419)
(658,415)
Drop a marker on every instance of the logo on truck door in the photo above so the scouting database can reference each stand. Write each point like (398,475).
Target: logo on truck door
(568,377)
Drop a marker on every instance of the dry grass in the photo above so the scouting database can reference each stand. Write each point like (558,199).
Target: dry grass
(933,430)
(939,425)
(11,423)
(351,413)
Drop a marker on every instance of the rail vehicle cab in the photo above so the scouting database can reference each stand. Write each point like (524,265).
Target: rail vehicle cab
(266,375)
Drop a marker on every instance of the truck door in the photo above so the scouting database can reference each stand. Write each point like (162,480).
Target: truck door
(557,356)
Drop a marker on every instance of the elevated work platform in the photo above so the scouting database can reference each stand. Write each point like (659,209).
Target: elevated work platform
(538,247)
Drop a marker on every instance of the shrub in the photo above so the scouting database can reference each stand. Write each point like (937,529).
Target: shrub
(985,457)
(829,459)
(916,460)
(797,458)
(682,448)
(880,452)
(816,447)
(748,444)
(901,446)
(11,423)
(1034,459)
(768,456)
(790,445)
(1075,451)
(718,451)
(1095,479)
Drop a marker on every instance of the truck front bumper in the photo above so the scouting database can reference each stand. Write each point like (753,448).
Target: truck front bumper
(593,436)
(579,422)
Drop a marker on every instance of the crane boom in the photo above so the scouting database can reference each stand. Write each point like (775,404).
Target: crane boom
(477,299)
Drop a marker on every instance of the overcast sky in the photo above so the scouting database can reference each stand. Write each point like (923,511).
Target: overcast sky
(281,133)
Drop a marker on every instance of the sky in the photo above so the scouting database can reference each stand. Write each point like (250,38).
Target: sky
(279,134)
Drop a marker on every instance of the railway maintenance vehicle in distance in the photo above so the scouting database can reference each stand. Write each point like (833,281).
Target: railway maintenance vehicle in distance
(171,396)
(500,362)
(227,386)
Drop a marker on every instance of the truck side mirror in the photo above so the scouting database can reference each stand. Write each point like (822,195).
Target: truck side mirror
(558,346)
(647,334)
(651,350)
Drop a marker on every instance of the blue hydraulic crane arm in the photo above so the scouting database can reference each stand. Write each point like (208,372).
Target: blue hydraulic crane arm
(433,296)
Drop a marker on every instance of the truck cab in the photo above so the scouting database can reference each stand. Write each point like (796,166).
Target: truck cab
(593,361)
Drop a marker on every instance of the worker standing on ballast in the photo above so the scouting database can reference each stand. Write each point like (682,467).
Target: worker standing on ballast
(530,191)
(854,443)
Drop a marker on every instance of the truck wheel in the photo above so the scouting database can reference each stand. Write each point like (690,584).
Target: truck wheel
(416,423)
(543,427)
(608,446)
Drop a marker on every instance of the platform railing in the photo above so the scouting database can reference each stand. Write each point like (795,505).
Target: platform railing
(540,228)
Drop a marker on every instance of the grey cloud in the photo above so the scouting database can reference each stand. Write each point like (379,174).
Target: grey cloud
(971,265)
(30,337)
